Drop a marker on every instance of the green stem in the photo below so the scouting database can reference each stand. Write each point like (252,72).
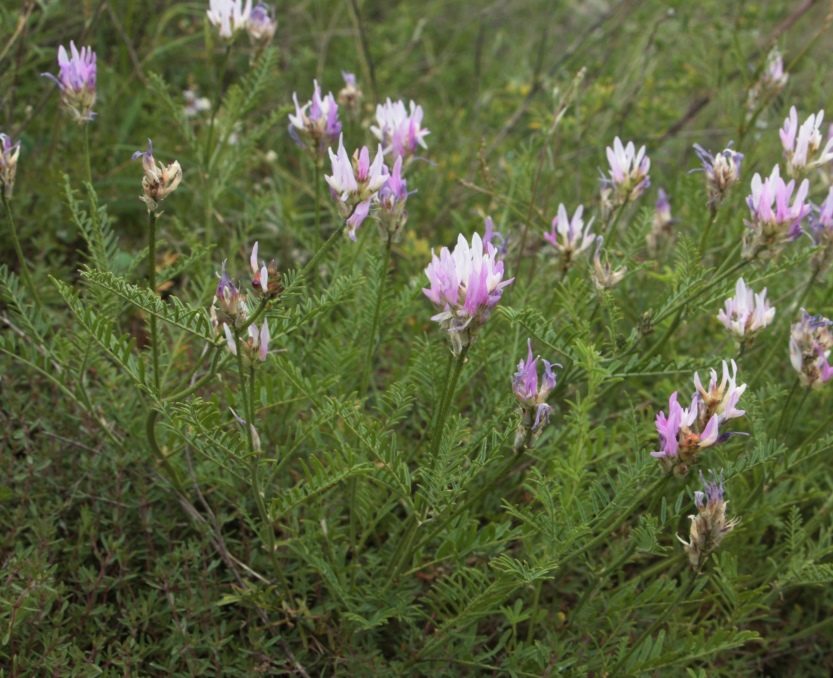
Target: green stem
(380,293)
(445,404)
(704,240)
(24,270)
(215,108)
(154,336)
(87,157)
(150,431)
(786,407)
(611,234)
(327,246)
(317,183)
(188,390)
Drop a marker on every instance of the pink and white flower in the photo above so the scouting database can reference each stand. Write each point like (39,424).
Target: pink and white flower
(229,16)
(399,130)
(747,313)
(803,145)
(773,221)
(570,237)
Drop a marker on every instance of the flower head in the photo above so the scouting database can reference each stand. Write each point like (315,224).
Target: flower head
(532,397)
(350,96)
(802,145)
(229,16)
(663,222)
(400,132)
(709,526)
(570,237)
(719,400)
(722,172)
(261,25)
(392,197)
(820,230)
(265,279)
(772,81)
(604,277)
(159,181)
(9,153)
(628,172)
(230,302)
(465,286)
(315,126)
(255,347)
(746,314)
(810,342)
(678,441)
(770,229)
(76,80)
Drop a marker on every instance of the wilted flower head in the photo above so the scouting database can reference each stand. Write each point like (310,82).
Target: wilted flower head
(230,302)
(722,172)
(400,132)
(662,227)
(159,181)
(350,96)
(265,279)
(392,197)
(770,229)
(532,398)
(229,16)
(254,347)
(317,129)
(709,526)
(569,236)
(465,286)
(810,342)
(77,81)
(746,314)
(261,25)
(354,183)
(772,80)
(604,277)
(9,153)
(719,400)
(628,172)
(802,144)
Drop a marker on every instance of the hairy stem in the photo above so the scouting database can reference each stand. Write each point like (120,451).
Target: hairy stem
(154,335)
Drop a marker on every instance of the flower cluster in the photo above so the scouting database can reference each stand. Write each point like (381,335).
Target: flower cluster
(159,181)
(570,237)
(802,144)
(604,277)
(465,286)
(722,172)
(261,25)
(254,348)
(229,16)
(350,96)
(628,173)
(9,153)
(535,412)
(265,279)
(354,183)
(772,81)
(709,526)
(315,131)
(746,314)
(400,132)
(663,223)
(687,431)
(392,198)
(76,80)
(810,342)
(771,229)
(231,302)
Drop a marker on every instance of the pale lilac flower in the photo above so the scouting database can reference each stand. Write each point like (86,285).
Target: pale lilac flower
(719,400)
(230,302)
(315,131)
(771,229)
(490,235)
(747,313)
(9,153)
(229,16)
(195,105)
(722,172)
(679,443)
(810,342)
(255,347)
(465,286)
(535,412)
(709,526)
(570,237)
(392,197)
(354,183)
(820,230)
(772,81)
(159,181)
(604,277)
(77,81)
(350,96)
(261,25)
(663,222)
(628,172)
(399,131)
(802,144)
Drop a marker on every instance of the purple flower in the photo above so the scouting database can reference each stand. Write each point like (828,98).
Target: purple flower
(159,181)
(229,16)
(9,153)
(392,197)
(770,229)
(820,230)
(628,172)
(810,342)
(261,25)
(722,172)
(530,396)
(709,526)
(399,131)
(491,234)
(663,222)
(319,129)
(255,347)
(465,286)
(747,313)
(802,144)
(772,81)
(719,401)
(569,236)
(678,442)
(76,80)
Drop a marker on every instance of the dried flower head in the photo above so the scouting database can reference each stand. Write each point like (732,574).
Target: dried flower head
(9,153)
(746,314)
(261,25)
(229,304)
(265,278)
(709,526)
(722,172)
(662,228)
(159,181)
(76,80)
(810,342)
(350,96)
